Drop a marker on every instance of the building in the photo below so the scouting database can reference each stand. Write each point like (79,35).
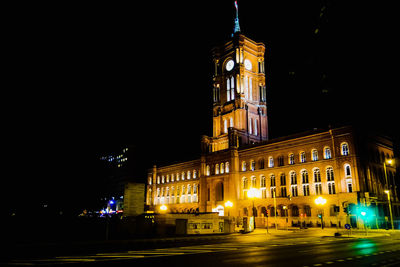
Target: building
(348,168)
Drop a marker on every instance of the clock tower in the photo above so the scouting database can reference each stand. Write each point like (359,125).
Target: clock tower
(239,92)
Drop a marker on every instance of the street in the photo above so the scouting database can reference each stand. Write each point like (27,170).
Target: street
(255,249)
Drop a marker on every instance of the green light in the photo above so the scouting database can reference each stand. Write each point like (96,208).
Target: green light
(363,213)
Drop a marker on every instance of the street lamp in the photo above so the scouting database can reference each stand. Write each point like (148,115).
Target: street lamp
(163,208)
(390,208)
(320,201)
(228,206)
(387,191)
(253,193)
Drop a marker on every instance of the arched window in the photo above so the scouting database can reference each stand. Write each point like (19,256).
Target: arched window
(291,159)
(167,178)
(228,90)
(222,170)
(293,177)
(252,165)
(327,153)
(177,176)
(304,176)
(344,149)
(302,157)
(270,162)
(207,171)
(189,176)
(329,174)
(347,170)
(245,183)
(317,175)
(263,187)
(227,167)
(244,166)
(172,177)
(232,88)
(273,180)
(194,174)
(314,154)
(183,176)
(253,182)
(283,179)
(162,179)
(225,126)
(216,168)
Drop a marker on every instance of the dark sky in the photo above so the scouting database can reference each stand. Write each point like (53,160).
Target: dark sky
(84,78)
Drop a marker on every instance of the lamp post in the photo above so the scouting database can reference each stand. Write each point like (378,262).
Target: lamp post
(390,208)
(387,191)
(228,206)
(253,193)
(320,201)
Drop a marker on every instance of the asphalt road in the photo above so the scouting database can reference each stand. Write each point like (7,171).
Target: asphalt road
(244,250)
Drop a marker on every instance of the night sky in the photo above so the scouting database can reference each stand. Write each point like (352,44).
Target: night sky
(82,79)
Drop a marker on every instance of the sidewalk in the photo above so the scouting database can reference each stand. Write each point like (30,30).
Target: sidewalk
(327,232)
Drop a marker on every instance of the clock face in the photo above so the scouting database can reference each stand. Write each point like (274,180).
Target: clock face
(229,65)
(247,64)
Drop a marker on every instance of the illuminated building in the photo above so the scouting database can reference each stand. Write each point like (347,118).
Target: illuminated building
(342,165)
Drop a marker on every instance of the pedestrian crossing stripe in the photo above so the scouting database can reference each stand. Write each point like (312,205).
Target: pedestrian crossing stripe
(133,254)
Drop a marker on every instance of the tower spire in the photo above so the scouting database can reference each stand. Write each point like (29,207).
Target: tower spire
(237,27)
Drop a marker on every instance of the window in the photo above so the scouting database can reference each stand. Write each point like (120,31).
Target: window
(244,166)
(347,170)
(227,167)
(327,153)
(162,179)
(314,154)
(261,163)
(183,176)
(273,181)
(177,177)
(295,211)
(167,178)
(232,88)
(252,165)
(253,182)
(283,192)
(216,168)
(294,190)
(245,183)
(291,159)
(262,181)
(271,162)
(172,177)
(344,148)
(304,176)
(273,192)
(318,189)
(228,90)
(280,161)
(307,210)
(306,189)
(255,127)
(329,174)
(331,188)
(222,168)
(349,185)
(283,179)
(194,174)
(302,157)
(251,126)
(225,126)
(207,171)
(189,175)
(293,177)
(317,175)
